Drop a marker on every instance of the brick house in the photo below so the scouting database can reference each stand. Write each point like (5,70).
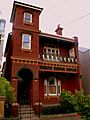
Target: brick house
(84,55)
(39,65)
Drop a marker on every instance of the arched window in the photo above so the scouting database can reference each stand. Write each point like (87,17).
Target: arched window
(52,86)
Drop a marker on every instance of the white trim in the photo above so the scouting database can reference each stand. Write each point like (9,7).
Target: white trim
(59,38)
(29,43)
(29,6)
(30,17)
(57,84)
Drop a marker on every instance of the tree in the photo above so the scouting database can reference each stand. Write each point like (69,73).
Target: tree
(6,90)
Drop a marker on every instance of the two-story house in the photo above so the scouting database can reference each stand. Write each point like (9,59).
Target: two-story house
(39,65)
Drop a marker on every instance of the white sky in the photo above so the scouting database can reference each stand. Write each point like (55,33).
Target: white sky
(72,15)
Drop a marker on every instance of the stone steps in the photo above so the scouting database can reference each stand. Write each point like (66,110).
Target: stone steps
(26,112)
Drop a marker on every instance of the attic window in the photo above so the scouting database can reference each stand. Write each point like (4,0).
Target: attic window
(27,17)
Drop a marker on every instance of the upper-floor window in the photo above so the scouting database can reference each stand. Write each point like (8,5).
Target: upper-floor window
(26,41)
(72,52)
(2,26)
(27,17)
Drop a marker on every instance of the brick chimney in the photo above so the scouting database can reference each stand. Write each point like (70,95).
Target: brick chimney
(59,30)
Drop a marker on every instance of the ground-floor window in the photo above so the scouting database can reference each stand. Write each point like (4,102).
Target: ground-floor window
(52,86)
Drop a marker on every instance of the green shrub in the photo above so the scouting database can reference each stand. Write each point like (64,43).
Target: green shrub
(67,100)
(82,105)
(78,102)
(6,90)
(70,103)
(50,110)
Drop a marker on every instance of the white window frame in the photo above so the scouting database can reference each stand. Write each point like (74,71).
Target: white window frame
(29,19)
(51,49)
(72,52)
(57,84)
(2,26)
(28,43)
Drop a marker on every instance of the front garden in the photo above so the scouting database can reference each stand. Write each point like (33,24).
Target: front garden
(71,103)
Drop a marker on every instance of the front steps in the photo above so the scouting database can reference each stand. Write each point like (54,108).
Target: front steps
(26,112)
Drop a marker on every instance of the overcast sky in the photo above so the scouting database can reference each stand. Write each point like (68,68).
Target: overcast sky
(72,15)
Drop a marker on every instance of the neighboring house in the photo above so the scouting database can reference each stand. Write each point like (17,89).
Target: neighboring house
(2,32)
(84,54)
(39,65)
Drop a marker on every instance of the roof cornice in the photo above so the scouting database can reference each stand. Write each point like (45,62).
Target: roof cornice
(59,37)
(23,5)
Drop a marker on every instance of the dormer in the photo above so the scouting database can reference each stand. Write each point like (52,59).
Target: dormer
(25,16)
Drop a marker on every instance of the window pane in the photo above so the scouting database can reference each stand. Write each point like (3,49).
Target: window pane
(51,81)
(28,17)
(26,38)
(58,89)
(52,89)
(26,41)
(25,45)
(1,26)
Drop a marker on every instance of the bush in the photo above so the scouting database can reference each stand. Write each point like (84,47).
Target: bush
(70,103)
(77,102)
(49,110)
(6,90)
(67,100)
(82,105)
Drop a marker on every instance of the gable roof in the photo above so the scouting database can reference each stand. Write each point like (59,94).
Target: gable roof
(83,49)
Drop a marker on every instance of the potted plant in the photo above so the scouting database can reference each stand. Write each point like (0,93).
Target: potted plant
(6,94)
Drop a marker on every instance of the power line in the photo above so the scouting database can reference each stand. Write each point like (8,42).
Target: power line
(77,19)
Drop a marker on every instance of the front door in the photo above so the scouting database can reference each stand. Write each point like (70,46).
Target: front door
(24,84)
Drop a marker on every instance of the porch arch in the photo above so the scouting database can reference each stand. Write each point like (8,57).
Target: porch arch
(25,77)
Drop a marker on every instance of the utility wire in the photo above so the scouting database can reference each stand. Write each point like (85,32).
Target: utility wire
(78,18)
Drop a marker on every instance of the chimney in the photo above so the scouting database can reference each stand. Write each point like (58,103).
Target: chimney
(59,30)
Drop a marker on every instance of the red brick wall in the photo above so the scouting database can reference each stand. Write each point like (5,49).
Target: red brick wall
(18,66)
(71,83)
(18,22)
(17,45)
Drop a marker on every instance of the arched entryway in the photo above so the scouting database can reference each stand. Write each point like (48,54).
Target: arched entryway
(24,85)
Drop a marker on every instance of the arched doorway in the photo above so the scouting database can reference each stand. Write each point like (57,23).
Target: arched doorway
(24,83)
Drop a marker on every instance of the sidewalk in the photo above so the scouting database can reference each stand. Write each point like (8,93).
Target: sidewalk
(72,116)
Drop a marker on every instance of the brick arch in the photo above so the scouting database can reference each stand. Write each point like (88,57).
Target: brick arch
(25,77)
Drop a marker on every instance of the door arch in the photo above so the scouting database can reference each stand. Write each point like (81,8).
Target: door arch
(25,78)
